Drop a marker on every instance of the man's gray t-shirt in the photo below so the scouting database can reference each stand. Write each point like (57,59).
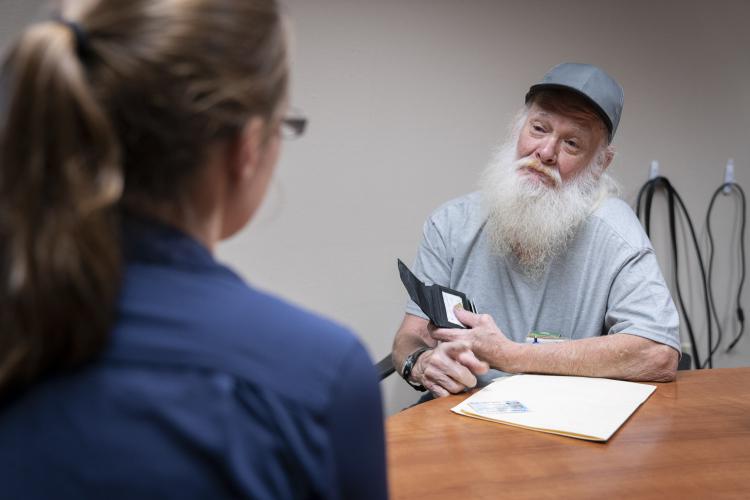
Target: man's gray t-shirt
(607,280)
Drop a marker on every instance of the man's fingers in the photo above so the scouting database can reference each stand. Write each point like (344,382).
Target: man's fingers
(437,391)
(468,318)
(436,378)
(445,334)
(472,320)
(443,369)
(463,355)
(466,357)
(469,360)
(462,375)
(454,349)
(449,384)
(450,374)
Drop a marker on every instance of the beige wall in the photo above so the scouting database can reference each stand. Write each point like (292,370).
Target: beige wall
(408,98)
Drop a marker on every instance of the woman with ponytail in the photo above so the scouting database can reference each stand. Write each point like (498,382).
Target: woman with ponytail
(134,137)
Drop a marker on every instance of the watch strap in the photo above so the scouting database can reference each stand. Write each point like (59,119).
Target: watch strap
(409,363)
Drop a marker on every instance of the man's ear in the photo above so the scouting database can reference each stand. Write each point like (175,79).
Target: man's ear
(247,150)
(609,155)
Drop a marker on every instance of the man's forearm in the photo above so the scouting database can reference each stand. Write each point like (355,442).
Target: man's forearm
(403,345)
(411,335)
(620,356)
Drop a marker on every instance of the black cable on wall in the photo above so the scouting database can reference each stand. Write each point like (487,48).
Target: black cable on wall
(729,188)
(643,211)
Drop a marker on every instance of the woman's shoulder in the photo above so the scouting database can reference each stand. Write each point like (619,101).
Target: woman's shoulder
(217,321)
(282,321)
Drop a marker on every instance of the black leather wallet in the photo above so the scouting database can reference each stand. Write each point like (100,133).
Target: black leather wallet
(436,301)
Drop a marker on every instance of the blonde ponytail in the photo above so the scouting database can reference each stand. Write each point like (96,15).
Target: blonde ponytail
(59,182)
(115,106)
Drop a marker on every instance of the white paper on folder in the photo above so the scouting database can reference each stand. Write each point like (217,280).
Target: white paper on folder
(580,407)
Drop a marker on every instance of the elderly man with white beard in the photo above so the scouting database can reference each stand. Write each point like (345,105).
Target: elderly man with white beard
(544,246)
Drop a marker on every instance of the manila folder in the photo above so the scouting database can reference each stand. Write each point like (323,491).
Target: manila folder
(579,407)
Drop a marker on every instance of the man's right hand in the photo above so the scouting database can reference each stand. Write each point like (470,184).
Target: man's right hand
(448,368)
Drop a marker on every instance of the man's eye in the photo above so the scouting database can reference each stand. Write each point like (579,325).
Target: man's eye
(537,128)
(572,143)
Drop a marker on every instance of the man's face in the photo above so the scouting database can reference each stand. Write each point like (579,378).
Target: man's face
(542,183)
(553,141)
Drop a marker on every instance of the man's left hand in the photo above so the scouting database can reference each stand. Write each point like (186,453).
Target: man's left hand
(483,336)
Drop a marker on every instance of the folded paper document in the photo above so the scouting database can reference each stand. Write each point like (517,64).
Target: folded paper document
(436,301)
(579,407)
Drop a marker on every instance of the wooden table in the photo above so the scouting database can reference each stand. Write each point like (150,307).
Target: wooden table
(690,439)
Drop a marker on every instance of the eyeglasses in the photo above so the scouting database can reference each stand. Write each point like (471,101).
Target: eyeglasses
(293,126)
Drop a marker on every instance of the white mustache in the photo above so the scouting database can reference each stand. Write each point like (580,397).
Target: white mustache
(532,163)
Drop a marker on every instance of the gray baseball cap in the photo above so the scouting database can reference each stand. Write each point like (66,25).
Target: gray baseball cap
(596,86)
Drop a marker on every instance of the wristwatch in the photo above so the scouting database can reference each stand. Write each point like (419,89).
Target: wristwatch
(409,363)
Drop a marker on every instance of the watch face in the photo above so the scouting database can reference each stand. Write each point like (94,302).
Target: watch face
(409,366)
(410,360)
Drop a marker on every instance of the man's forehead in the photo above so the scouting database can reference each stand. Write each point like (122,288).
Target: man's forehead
(579,122)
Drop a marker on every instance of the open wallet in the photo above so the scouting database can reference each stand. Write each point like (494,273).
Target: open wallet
(436,301)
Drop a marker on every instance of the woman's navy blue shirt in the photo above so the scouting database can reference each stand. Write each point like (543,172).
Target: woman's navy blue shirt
(208,389)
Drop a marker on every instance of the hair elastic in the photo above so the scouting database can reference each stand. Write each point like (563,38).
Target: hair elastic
(83,47)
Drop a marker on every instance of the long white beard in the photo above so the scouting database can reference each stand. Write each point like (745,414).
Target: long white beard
(530,220)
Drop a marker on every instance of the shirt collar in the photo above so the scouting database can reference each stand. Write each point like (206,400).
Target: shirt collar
(145,239)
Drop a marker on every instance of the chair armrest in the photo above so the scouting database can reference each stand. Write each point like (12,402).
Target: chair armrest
(385,367)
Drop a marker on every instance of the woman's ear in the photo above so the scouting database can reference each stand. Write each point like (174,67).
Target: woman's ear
(246,151)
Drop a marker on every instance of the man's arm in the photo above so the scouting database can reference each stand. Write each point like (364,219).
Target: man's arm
(448,367)
(411,335)
(619,356)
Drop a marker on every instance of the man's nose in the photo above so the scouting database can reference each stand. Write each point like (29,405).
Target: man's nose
(547,152)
